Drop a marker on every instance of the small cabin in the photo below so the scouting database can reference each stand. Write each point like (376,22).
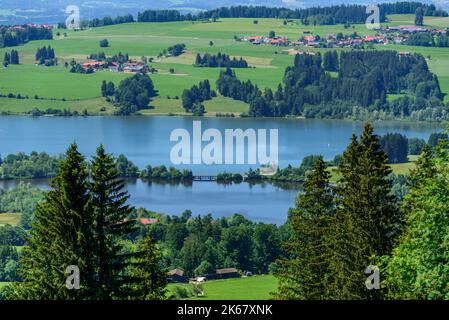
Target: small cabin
(177,276)
(227,273)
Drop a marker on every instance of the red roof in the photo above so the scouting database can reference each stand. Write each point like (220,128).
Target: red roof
(148,221)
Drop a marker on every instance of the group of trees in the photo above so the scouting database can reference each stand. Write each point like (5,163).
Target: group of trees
(427,39)
(321,15)
(46,56)
(14,36)
(193,97)
(364,80)
(107,88)
(101,56)
(81,222)
(11,58)
(104,43)
(108,21)
(219,60)
(162,173)
(395,145)
(134,94)
(200,245)
(331,61)
(315,15)
(32,166)
(174,51)
(338,231)
(162,16)
(417,268)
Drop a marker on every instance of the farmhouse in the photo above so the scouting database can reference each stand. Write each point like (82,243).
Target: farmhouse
(227,273)
(177,275)
(93,64)
(114,67)
(133,67)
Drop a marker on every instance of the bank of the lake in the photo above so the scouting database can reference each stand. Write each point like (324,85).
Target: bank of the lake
(146,140)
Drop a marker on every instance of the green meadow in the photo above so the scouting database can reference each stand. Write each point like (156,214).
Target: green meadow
(9,218)
(246,288)
(61,89)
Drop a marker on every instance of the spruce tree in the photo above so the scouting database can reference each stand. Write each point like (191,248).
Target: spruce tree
(305,274)
(59,237)
(150,276)
(104,88)
(110,225)
(366,218)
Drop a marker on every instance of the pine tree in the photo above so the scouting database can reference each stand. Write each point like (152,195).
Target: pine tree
(151,278)
(366,216)
(104,88)
(59,237)
(6,59)
(419,16)
(110,211)
(305,274)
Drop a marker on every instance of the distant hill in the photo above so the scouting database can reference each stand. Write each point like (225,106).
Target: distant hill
(48,11)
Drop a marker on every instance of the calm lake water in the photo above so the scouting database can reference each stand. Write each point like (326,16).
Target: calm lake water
(145,140)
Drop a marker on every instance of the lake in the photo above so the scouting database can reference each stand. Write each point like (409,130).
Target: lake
(145,140)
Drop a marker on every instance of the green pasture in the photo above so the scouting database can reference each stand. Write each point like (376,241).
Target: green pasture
(9,218)
(246,288)
(81,91)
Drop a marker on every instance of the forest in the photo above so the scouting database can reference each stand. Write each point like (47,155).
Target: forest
(316,15)
(13,37)
(220,60)
(364,80)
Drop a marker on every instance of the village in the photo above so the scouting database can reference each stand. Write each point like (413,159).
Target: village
(126,67)
(384,36)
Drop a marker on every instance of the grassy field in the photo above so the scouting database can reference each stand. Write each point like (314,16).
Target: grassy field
(398,169)
(82,91)
(9,218)
(247,288)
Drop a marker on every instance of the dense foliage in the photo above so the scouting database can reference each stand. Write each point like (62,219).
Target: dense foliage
(201,244)
(395,146)
(11,37)
(23,166)
(197,94)
(427,39)
(134,94)
(11,58)
(418,267)
(337,231)
(220,60)
(315,15)
(46,56)
(365,78)
(82,222)
(107,21)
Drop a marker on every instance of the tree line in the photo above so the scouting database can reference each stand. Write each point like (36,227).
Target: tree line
(132,94)
(342,233)
(11,37)
(336,14)
(192,98)
(81,222)
(46,56)
(11,58)
(220,60)
(427,39)
(107,21)
(364,79)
